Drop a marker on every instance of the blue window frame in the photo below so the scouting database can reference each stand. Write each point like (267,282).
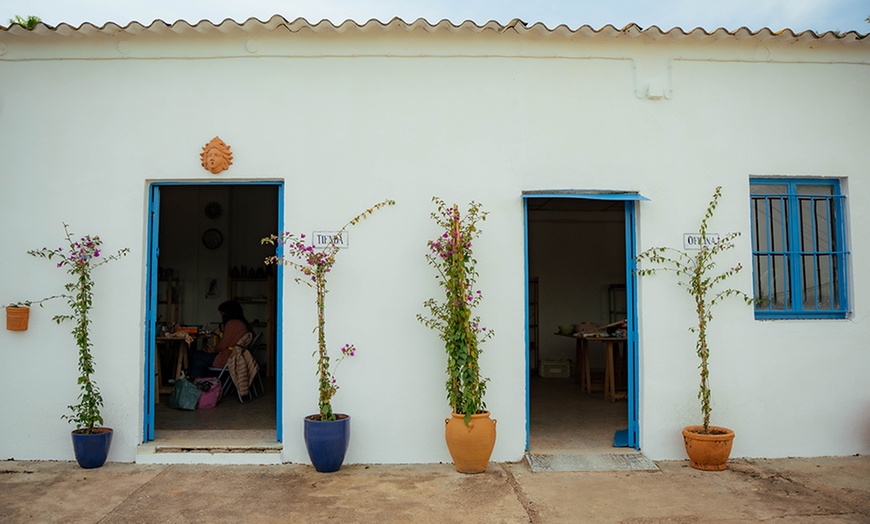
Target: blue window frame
(799,250)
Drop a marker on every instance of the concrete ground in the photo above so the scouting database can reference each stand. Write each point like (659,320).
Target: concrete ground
(807,490)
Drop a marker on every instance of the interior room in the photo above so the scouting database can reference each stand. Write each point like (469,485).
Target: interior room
(210,252)
(576,256)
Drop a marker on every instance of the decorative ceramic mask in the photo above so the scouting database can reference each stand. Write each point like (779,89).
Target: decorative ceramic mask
(216,156)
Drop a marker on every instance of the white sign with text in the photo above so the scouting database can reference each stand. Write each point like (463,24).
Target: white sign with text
(322,239)
(694,240)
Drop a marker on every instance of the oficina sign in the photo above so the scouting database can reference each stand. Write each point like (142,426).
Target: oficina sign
(694,240)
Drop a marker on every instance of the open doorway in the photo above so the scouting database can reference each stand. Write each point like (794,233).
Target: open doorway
(579,252)
(205,249)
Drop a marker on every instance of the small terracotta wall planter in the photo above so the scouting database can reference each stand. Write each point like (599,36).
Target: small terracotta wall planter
(17,318)
(708,452)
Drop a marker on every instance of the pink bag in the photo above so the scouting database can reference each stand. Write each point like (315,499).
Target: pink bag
(211,392)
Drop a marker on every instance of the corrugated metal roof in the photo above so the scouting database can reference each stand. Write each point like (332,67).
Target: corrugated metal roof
(278,22)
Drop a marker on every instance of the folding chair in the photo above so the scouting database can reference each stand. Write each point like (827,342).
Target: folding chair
(257,377)
(227,381)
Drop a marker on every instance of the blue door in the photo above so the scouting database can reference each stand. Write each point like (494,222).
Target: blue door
(629,436)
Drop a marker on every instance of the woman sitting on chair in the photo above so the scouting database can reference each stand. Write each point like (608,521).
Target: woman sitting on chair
(235,328)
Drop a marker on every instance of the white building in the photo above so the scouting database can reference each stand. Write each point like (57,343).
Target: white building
(559,133)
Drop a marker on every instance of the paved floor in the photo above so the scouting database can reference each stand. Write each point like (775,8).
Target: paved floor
(563,420)
(814,490)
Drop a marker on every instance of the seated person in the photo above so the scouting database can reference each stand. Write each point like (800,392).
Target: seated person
(234,327)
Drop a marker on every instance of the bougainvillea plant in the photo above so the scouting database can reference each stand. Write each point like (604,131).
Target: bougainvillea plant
(314,264)
(79,260)
(452,256)
(696,274)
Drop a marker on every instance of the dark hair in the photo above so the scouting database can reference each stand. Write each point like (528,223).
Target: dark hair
(232,310)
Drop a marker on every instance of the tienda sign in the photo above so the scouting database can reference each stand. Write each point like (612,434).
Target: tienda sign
(324,239)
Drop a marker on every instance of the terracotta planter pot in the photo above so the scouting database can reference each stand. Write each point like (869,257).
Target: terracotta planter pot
(708,452)
(471,445)
(17,318)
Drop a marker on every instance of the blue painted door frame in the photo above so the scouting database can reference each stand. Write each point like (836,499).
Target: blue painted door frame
(629,200)
(151,310)
(151,300)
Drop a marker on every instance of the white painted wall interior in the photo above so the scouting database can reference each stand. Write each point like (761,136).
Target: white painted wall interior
(347,119)
(576,257)
(249,213)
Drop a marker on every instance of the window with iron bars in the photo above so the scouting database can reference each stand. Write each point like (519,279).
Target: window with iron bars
(799,249)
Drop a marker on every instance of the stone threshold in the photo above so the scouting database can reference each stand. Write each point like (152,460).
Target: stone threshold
(542,463)
(217,449)
(211,447)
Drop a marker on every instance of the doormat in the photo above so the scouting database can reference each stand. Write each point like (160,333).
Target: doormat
(602,462)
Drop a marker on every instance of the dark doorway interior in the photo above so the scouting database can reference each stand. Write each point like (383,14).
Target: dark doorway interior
(577,268)
(209,252)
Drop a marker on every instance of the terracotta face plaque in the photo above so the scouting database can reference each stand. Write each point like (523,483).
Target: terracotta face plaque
(216,156)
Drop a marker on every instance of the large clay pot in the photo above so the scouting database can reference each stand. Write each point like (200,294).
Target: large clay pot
(471,445)
(327,442)
(17,318)
(708,452)
(91,449)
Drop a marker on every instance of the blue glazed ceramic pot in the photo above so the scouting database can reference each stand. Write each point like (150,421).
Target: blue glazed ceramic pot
(327,441)
(91,449)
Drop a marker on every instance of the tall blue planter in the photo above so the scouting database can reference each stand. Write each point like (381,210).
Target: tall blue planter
(91,449)
(327,441)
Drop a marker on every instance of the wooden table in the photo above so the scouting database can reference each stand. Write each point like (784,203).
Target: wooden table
(582,358)
(184,344)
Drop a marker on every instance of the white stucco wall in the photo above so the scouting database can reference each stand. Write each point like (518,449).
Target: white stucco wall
(346,119)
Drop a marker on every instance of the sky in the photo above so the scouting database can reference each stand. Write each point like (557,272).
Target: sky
(797,15)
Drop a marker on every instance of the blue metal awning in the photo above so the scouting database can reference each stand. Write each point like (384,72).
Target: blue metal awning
(587,194)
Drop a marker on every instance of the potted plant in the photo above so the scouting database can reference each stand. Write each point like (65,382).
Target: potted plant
(17,316)
(708,446)
(18,313)
(91,440)
(470,432)
(327,434)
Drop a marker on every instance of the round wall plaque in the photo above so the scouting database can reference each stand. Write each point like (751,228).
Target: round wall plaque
(212,238)
(213,210)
